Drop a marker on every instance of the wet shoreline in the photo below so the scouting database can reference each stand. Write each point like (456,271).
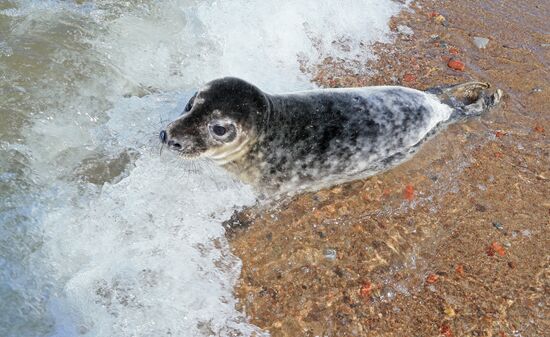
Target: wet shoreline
(451,242)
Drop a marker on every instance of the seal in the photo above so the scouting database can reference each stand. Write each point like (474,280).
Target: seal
(316,138)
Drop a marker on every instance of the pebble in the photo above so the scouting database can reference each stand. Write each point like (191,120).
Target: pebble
(409,78)
(456,65)
(406,30)
(330,254)
(440,19)
(481,42)
(449,311)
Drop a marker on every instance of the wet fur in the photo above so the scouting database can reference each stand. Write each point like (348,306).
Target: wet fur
(320,137)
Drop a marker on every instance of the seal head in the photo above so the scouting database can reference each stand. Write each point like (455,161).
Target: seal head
(219,121)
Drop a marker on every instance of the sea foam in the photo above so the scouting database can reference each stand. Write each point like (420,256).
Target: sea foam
(131,240)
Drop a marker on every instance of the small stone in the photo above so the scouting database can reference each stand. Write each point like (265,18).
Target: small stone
(432,278)
(330,254)
(456,65)
(480,208)
(366,289)
(440,19)
(449,311)
(409,78)
(454,51)
(498,225)
(539,129)
(408,193)
(445,330)
(495,248)
(405,30)
(481,42)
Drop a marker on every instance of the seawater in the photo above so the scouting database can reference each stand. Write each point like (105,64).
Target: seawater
(101,234)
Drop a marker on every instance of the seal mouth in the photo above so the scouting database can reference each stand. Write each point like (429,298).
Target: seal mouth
(185,153)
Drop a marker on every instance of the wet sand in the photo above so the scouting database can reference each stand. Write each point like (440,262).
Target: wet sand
(454,242)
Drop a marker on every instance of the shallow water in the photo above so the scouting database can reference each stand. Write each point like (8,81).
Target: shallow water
(100,234)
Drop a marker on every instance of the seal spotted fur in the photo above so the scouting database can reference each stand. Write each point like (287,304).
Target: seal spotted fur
(318,137)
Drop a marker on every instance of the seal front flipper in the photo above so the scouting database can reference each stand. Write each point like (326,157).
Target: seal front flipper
(468,99)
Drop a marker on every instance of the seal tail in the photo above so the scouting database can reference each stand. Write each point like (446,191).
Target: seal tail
(468,99)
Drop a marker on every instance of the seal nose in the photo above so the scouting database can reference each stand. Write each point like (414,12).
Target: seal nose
(162,136)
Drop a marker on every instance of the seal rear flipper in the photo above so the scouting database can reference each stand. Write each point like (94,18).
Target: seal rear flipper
(468,99)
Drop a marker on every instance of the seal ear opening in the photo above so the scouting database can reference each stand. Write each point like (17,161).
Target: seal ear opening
(189,104)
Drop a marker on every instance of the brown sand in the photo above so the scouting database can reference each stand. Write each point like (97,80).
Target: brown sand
(455,242)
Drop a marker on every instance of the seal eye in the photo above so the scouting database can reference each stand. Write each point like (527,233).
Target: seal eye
(223,131)
(219,130)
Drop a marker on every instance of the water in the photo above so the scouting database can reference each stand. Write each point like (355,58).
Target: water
(100,234)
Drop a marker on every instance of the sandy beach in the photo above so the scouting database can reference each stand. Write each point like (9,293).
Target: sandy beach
(452,243)
(106,232)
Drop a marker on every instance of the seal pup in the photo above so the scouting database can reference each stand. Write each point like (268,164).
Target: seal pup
(316,138)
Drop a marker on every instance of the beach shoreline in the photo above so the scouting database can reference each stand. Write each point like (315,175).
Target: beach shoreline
(450,243)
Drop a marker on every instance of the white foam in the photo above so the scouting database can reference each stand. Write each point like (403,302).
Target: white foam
(144,255)
(179,45)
